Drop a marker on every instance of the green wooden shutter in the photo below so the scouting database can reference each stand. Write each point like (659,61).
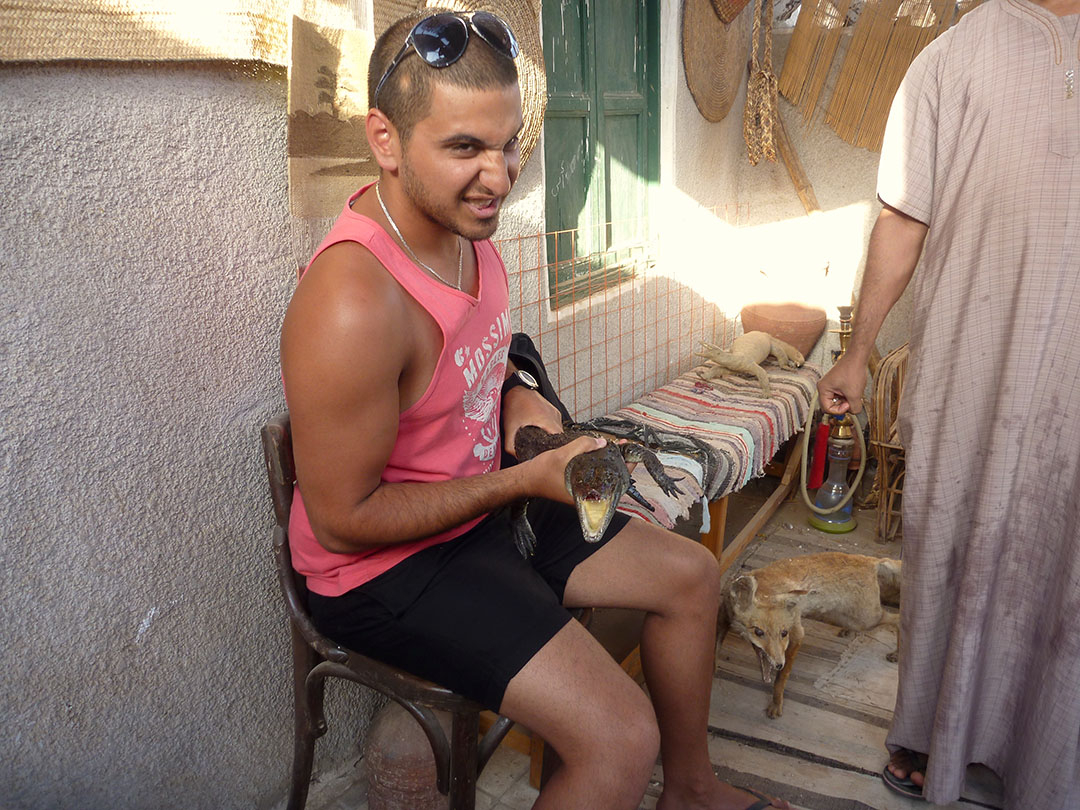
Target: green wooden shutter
(601,139)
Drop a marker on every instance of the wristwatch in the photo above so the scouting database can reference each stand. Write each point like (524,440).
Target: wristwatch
(520,377)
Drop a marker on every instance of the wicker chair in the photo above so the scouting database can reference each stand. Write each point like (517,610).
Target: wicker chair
(885,444)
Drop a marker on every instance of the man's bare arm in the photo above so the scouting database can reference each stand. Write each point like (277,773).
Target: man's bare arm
(895,246)
(523,406)
(345,359)
(394,513)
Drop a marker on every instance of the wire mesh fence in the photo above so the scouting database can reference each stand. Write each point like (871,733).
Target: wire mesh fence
(630,324)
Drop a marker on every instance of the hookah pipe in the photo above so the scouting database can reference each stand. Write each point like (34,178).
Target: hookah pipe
(839,442)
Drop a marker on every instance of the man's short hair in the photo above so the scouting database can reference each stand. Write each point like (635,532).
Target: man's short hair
(405,98)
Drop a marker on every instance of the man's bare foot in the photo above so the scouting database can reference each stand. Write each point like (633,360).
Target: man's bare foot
(721,796)
(905,764)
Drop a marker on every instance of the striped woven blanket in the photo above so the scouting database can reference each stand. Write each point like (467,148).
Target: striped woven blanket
(737,432)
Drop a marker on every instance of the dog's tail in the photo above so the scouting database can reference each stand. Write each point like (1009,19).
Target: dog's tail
(888,575)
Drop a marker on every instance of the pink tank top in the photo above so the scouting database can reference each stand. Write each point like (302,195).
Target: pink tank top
(452,431)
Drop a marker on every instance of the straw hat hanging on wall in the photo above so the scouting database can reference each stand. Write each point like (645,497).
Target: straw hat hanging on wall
(523,18)
(714,54)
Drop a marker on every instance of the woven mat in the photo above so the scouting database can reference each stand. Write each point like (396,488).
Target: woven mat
(163,30)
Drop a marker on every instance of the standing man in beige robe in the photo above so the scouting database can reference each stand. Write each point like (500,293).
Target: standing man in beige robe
(980,175)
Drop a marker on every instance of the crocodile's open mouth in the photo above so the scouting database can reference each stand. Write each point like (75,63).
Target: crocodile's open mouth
(594,514)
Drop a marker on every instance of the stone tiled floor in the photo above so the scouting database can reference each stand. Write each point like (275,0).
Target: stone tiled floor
(504,785)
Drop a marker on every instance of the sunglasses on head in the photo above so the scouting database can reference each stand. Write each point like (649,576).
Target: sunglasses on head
(441,39)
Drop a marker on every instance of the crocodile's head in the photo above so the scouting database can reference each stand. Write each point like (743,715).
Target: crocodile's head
(597,480)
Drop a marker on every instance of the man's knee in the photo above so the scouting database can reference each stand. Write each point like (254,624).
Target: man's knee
(695,574)
(639,724)
(629,742)
(577,698)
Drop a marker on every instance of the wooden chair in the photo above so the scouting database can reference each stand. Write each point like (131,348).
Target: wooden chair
(458,761)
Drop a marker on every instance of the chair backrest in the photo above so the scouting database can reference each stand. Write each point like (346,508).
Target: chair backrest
(280,468)
(281,472)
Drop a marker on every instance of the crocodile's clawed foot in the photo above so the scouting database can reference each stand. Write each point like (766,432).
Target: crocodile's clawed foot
(652,464)
(521,530)
(669,486)
(524,539)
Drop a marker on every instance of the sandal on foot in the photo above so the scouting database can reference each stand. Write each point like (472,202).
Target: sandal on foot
(763,801)
(905,787)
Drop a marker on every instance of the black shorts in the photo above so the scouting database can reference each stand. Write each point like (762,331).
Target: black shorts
(469,613)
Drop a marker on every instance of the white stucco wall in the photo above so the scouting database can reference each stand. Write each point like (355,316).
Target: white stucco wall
(699,176)
(794,248)
(146,267)
(738,233)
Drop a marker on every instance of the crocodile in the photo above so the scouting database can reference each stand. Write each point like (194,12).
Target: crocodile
(597,480)
(684,444)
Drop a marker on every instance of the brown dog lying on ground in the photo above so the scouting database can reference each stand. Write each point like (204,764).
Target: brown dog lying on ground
(766,606)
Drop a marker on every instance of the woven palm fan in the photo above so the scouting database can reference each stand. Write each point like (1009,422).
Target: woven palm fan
(714,56)
(810,53)
(523,17)
(887,37)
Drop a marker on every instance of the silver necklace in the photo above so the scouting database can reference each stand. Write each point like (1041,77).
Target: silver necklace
(415,258)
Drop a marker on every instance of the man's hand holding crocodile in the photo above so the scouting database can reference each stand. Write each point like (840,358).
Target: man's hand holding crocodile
(546,471)
(596,481)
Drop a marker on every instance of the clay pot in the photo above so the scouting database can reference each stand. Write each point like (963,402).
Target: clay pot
(399,763)
(798,324)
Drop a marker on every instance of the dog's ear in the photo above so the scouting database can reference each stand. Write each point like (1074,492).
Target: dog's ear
(794,597)
(742,591)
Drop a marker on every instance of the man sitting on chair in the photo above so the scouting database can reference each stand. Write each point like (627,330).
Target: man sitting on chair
(394,356)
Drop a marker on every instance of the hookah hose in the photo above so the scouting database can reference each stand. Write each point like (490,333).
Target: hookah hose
(805,451)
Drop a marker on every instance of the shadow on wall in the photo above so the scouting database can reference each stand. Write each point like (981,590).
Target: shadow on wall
(780,248)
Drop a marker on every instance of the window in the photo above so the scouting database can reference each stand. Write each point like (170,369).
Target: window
(601,140)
